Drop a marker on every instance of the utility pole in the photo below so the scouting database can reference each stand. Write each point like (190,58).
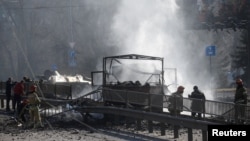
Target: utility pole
(248,57)
(248,46)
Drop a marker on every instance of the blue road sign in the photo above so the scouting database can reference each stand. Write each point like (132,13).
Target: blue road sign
(210,50)
(72,59)
(54,67)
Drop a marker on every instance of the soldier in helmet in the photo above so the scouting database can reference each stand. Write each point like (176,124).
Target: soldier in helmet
(176,101)
(240,101)
(34,102)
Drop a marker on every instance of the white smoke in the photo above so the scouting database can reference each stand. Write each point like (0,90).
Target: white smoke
(143,27)
(155,28)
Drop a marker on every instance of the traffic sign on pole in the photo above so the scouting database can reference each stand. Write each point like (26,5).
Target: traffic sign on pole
(72,59)
(210,51)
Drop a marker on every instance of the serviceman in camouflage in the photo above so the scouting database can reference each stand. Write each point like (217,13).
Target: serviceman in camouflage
(240,101)
(176,101)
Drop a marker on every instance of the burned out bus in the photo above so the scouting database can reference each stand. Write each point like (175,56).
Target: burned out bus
(134,81)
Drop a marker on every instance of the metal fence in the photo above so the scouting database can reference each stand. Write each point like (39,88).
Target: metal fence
(2,87)
(213,110)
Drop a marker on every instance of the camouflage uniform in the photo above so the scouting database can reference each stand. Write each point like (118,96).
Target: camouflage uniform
(176,101)
(240,101)
(34,102)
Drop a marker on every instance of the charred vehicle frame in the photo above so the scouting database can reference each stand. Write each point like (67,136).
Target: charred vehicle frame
(134,81)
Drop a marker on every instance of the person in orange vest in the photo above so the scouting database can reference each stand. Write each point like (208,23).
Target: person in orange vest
(18,93)
(34,102)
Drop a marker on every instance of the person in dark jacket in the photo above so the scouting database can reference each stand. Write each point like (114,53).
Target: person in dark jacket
(8,88)
(198,102)
(240,101)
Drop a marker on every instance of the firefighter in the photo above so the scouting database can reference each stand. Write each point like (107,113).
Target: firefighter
(34,103)
(176,101)
(240,101)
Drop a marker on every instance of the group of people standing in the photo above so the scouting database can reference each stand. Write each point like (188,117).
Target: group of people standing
(30,101)
(176,102)
(25,99)
(198,99)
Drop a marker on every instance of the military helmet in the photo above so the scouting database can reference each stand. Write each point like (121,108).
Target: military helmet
(239,81)
(180,88)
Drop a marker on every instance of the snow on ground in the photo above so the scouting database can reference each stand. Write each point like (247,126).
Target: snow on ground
(80,131)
